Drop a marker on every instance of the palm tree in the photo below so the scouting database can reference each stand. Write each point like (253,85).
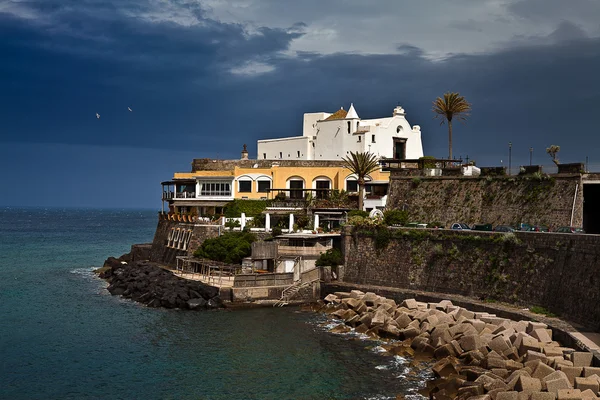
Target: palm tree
(450,106)
(361,164)
(553,152)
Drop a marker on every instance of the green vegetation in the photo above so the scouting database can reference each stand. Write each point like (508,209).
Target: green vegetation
(395,217)
(382,237)
(361,164)
(230,247)
(553,153)
(428,161)
(451,105)
(541,310)
(251,208)
(416,181)
(232,223)
(332,257)
(276,231)
(302,222)
(358,213)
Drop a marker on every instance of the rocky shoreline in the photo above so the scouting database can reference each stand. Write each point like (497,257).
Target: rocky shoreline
(477,356)
(149,284)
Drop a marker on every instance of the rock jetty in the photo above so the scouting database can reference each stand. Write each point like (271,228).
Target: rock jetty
(149,284)
(479,356)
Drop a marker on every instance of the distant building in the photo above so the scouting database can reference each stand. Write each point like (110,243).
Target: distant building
(328,136)
(297,167)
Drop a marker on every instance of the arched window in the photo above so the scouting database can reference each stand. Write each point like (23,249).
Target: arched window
(296,183)
(322,184)
(399,129)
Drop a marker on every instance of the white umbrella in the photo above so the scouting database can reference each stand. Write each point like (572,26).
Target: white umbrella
(267,222)
(316,222)
(243,221)
(291,223)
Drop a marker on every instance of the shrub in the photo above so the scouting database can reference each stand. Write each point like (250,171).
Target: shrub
(276,231)
(416,181)
(332,257)
(358,213)
(229,247)
(382,237)
(302,221)
(428,161)
(258,221)
(232,223)
(395,217)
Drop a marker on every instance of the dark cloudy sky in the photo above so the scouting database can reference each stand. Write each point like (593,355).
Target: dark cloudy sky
(205,77)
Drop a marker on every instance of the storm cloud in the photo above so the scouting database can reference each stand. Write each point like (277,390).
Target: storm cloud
(206,79)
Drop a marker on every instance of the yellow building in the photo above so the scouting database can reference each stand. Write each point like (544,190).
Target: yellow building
(213,183)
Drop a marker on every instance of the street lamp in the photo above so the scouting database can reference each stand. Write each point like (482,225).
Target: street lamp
(509,156)
(530,155)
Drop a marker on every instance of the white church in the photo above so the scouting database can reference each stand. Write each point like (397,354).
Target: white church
(328,136)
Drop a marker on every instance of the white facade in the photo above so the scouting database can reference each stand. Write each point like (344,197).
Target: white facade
(332,136)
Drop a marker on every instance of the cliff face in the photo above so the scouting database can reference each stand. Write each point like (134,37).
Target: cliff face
(538,200)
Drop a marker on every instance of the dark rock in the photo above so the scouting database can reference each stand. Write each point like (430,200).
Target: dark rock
(215,302)
(194,304)
(151,285)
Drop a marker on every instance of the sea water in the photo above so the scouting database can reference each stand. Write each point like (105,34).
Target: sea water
(63,336)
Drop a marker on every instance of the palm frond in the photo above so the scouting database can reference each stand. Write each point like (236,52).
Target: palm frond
(361,164)
(451,105)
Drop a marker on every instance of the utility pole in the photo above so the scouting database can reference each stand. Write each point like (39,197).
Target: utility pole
(509,156)
(586,164)
(530,155)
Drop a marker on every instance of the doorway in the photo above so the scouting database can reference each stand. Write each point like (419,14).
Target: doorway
(399,149)
(591,208)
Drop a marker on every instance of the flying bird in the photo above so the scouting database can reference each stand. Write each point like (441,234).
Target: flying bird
(97,115)
(129,108)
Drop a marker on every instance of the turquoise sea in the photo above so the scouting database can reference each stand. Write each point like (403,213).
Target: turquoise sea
(62,336)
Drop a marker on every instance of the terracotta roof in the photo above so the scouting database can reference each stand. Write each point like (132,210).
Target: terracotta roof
(339,114)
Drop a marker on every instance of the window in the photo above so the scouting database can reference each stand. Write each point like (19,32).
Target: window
(265,156)
(245,186)
(298,153)
(399,129)
(280,154)
(359,138)
(215,189)
(264,186)
(372,138)
(352,186)
(322,189)
(296,184)
(348,126)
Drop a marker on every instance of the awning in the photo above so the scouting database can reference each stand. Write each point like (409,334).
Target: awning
(179,182)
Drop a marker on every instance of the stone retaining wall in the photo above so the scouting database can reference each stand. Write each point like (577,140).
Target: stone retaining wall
(559,272)
(538,200)
(253,280)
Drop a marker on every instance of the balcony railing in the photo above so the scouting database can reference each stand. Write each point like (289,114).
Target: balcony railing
(185,195)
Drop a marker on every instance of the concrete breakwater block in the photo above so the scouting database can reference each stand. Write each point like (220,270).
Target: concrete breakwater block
(479,356)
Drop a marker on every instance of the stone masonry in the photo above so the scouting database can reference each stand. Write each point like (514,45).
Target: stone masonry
(560,272)
(538,200)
